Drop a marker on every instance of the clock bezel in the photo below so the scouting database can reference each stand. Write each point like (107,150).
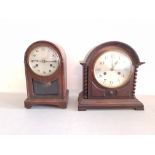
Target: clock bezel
(38,46)
(47,78)
(108,49)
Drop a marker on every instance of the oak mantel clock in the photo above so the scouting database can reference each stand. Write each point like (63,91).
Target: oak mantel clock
(109,77)
(45,70)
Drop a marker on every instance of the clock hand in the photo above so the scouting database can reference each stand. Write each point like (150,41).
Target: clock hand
(113,65)
(34,60)
(39,60)
(50,61)
(43,61)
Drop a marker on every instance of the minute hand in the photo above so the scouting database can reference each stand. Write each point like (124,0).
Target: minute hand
(44,61)
(50,61)
(113,65)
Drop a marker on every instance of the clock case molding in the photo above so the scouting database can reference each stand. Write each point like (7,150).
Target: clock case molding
(96,96)
(59,99)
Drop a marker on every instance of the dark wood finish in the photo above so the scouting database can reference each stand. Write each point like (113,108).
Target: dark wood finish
(132,103)
(60,74)
(94,92)
(60,102)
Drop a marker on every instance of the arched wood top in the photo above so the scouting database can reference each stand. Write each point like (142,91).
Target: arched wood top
(58,48)
(62,67)
(111,45)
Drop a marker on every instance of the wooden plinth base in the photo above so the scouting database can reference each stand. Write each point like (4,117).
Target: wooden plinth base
(85,104)
(61,103)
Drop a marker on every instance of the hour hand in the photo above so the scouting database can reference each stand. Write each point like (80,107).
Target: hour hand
(115,63)
(34,60)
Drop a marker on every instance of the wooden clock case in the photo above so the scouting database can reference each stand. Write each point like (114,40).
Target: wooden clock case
(59,95)
(96,96)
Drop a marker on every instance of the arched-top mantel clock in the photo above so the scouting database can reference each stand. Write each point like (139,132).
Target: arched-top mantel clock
(46,77)
(109,77)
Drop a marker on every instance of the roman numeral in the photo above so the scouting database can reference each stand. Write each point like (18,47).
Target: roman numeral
(101,63)
(98,69)
(118,80)
(111,82)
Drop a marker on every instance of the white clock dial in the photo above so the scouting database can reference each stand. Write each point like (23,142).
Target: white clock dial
(113,69)
(43,60)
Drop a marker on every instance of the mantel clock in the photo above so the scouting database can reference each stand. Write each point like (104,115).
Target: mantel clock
(109,77)
(45,70)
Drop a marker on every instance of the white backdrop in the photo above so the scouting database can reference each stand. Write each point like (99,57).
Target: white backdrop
(77,37)
(77,26)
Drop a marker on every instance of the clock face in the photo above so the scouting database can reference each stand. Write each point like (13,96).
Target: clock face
(113,69)
(43,60)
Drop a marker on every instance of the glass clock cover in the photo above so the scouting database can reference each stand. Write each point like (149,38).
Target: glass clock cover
(43,61)
(113,69)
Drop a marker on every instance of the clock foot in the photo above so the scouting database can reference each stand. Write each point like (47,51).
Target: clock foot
(63,106)
(81,109)
(140,108)
(64,102)
(60,102)
(27,105)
